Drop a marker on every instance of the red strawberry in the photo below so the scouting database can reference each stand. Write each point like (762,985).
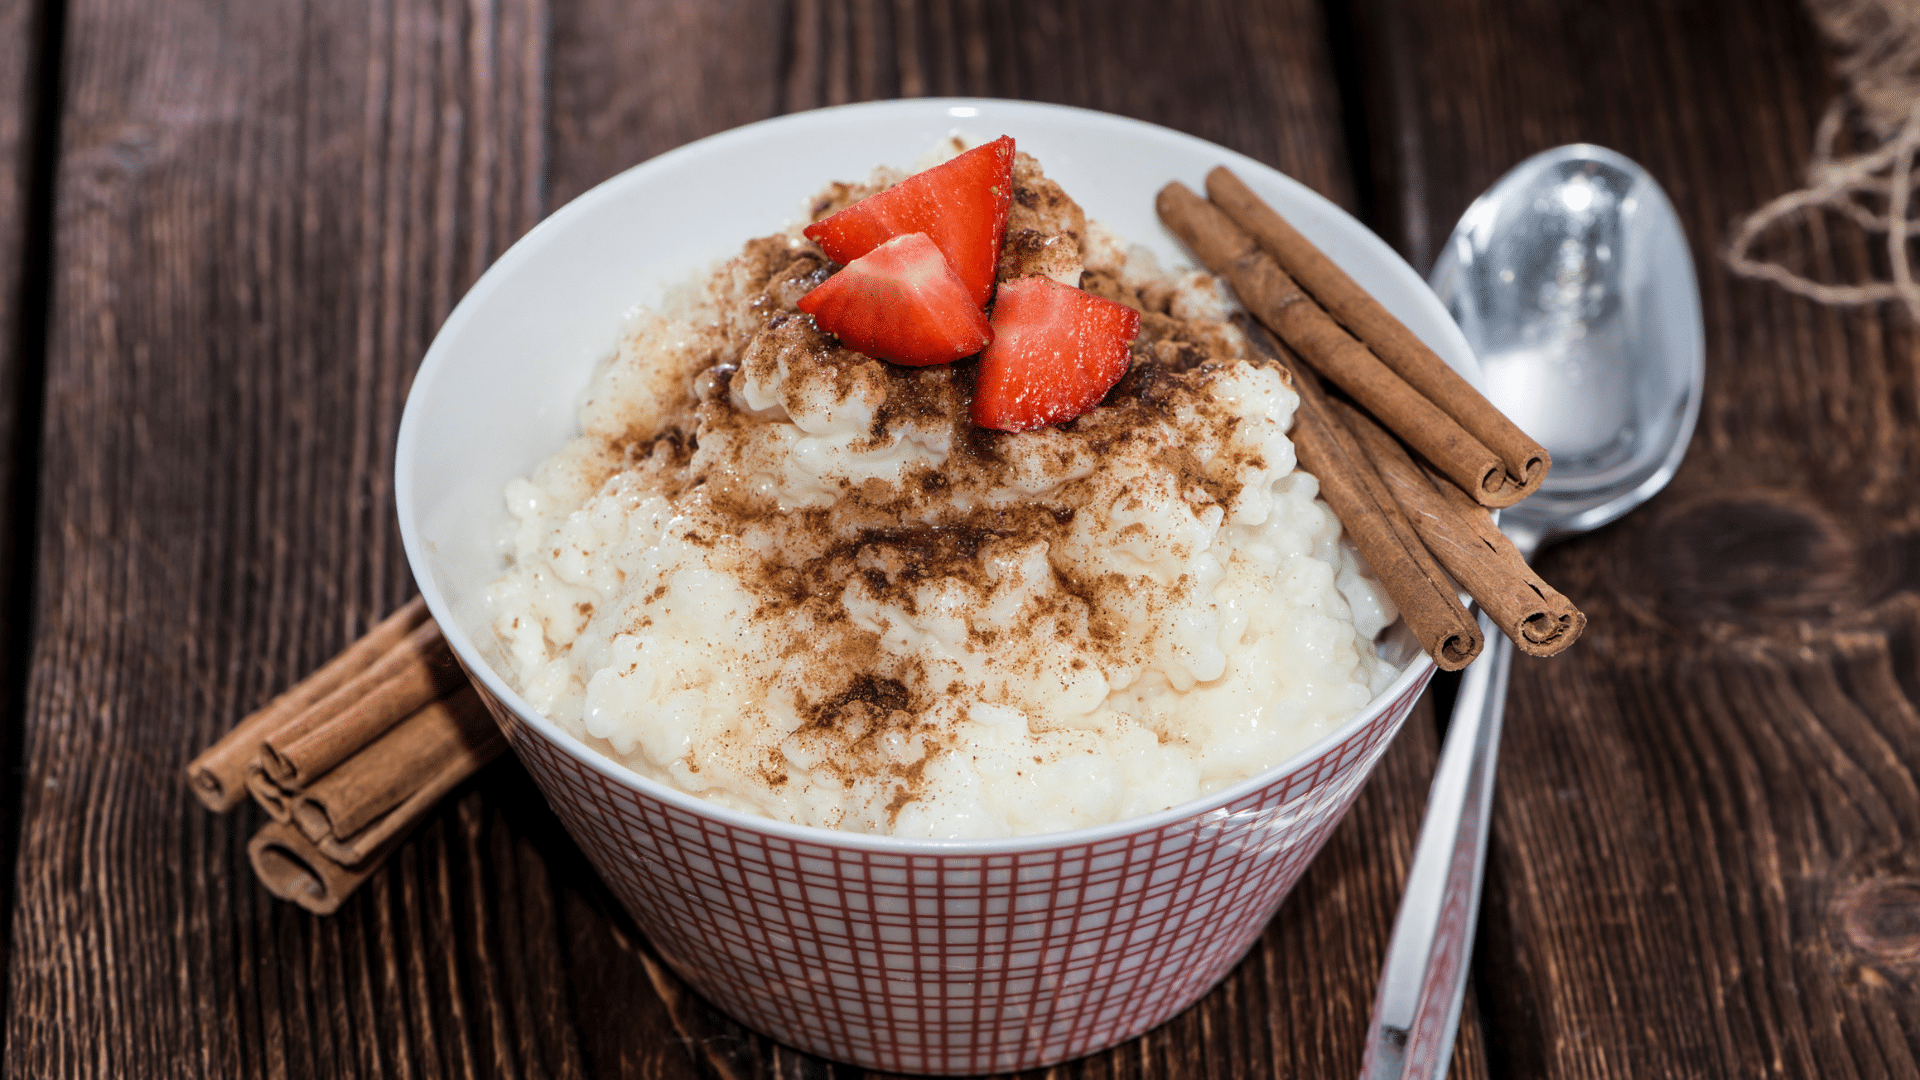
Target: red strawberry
(961,205)
(1056,352)
(900,302)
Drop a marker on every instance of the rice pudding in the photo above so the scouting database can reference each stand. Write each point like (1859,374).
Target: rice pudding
(798,581)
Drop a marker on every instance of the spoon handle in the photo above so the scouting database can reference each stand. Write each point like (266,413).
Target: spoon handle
(1417,1010)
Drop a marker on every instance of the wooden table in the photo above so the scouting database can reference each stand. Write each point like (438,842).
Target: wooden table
(228,231)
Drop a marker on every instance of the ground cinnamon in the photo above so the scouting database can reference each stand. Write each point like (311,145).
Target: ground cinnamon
(1276,300)
(1460,534)
(218,777)
(1525,461)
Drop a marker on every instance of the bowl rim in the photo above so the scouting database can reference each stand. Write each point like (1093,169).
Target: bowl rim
(441,353)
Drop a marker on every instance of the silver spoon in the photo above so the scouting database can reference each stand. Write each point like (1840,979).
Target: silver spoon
(1572,281)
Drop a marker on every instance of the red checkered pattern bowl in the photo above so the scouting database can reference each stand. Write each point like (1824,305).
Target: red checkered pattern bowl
(956,957)
(899,955)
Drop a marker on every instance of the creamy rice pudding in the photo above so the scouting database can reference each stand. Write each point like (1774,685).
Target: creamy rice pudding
(798,581)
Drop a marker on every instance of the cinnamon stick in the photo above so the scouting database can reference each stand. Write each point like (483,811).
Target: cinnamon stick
(1276,300)
(388,728)
(423,650)
(474,752)
(397,765)
(1371,518)
(1525,461)
(218,777)
(1533,614)
(274,799)
(296,759)
(288,864)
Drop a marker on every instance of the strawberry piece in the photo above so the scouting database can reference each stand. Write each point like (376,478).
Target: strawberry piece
(961,205)
(901,302)
(1056,352)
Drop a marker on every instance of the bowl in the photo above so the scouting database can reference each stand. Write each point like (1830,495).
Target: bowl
(897,955)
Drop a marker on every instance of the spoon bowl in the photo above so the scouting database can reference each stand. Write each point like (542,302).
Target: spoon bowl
(1571,279)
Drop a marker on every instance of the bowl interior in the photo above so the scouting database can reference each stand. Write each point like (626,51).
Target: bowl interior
(500,387)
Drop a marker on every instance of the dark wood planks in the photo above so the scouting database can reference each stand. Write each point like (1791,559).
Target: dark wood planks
(18,25)
(1705,844)
(263,211)
(631,81)
(25,43)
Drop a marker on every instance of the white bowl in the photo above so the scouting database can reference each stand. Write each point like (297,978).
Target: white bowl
(903,955)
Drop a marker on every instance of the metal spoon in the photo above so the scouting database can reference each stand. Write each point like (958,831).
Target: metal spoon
(1572,281)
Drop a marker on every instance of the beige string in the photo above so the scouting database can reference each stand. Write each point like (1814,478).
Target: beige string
(1879,45)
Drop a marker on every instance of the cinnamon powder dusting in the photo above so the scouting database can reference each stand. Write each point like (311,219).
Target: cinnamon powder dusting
(934,534)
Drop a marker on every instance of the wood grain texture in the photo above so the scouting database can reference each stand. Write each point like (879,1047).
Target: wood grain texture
(17,96)
(20,100)
(25,106)
(1705,845)
(264,210)
(632,80)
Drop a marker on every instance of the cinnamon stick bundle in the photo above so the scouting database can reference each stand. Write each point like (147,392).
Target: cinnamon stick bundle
(1276,300)
(271,797)
(1373,519)
(291,868)
(417,670)
(474,751)
(1525,461)
(344,802)
(369,744)
(219,775)
(1460,534)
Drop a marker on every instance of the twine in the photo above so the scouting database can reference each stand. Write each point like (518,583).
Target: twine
(1879,45)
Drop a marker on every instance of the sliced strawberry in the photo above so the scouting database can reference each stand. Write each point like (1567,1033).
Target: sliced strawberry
(1056,352)
(961,205)
(901,302)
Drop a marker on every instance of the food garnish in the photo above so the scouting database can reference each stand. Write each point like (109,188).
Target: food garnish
(901,302)
(961,205)
(1056,352)
(1408,518)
